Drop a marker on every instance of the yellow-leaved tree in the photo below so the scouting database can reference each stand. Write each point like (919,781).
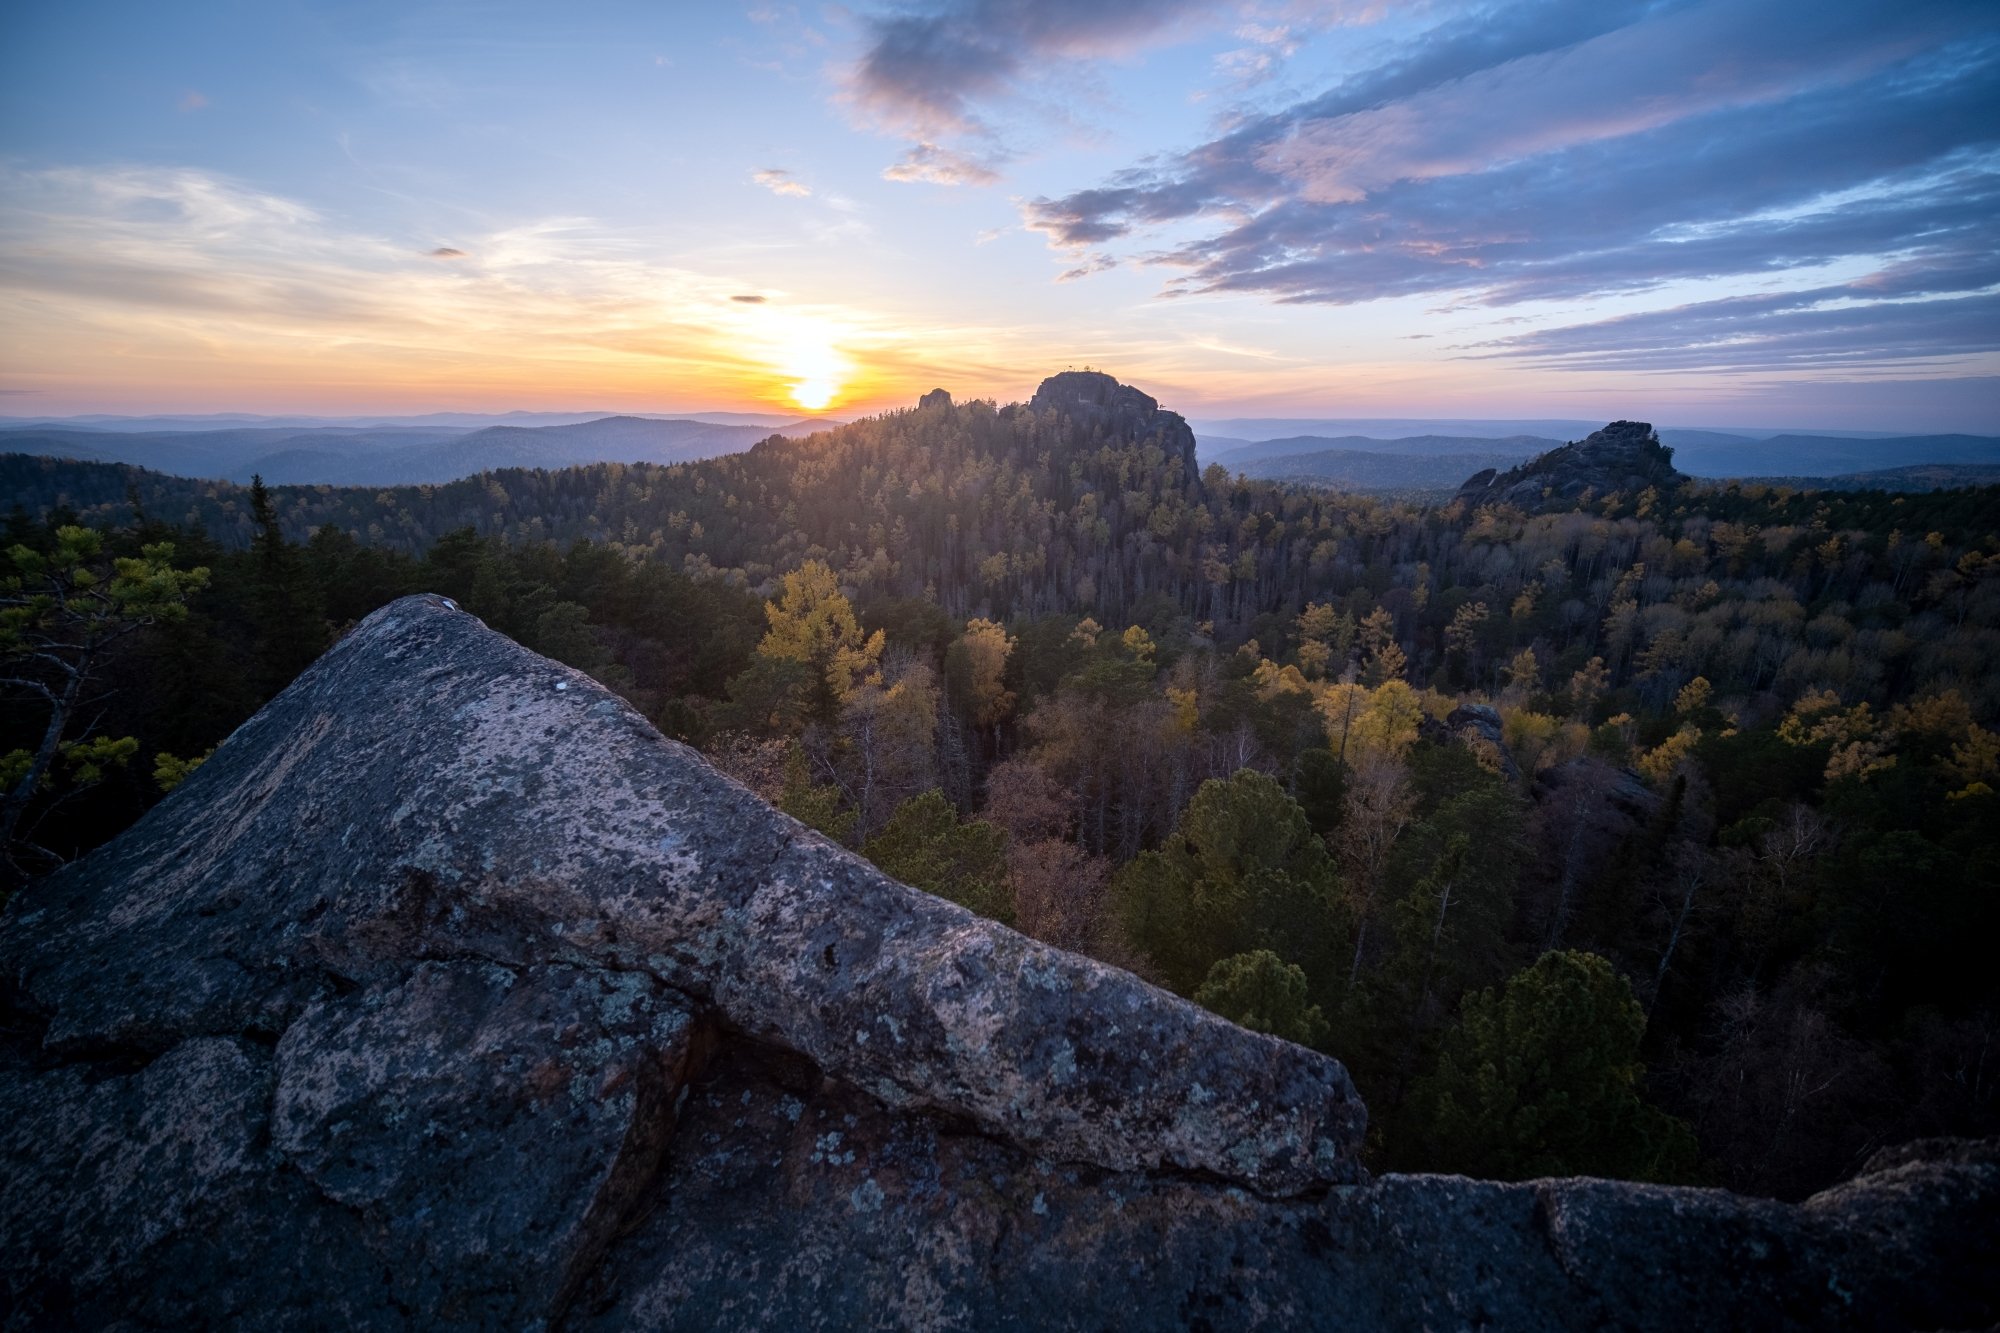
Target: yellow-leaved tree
(977,667)
(812,623)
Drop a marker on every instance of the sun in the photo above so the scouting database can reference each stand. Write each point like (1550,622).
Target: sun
(814,394)
(813,369)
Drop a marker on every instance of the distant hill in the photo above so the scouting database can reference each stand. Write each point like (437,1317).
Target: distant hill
(1411,475)
(1259,458)
(391,456)
(1558,428)
(1386,428)
(1708,454)
(1697,453)
(1922,477)
(780,422)
(218,454)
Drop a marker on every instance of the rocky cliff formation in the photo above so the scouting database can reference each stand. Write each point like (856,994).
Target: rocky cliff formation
(448,994)
(1101,405)
(1625,457)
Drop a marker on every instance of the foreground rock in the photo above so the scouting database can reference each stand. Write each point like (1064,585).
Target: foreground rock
(448,994)
(1625,458)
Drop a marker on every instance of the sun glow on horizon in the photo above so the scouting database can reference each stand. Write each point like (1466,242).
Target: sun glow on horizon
(814,395)
(811,366)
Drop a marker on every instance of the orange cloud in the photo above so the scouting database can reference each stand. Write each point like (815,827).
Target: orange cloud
(779,181)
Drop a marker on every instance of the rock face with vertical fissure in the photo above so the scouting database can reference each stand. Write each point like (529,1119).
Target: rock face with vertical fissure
(449,994)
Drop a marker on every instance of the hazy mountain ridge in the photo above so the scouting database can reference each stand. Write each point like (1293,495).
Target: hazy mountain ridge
(1560,428)
(1821,455)
(104,421)
(1920,477)
(1361,470)
(1263,429)
(1794,458)
(392,455)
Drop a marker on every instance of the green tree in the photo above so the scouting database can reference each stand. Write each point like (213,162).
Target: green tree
(770,697)
(63,613)
(170,771)
(816,805)
(1242,871)
(565,633)
(1261,991)
(1542,1078)
(1461,865)
(285,613)
(925,845)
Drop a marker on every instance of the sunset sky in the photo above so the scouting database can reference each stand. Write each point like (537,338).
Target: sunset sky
(1755,212)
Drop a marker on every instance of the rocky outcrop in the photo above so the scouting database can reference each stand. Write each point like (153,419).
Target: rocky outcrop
(448,994)
(938,399)
(1624,458)
(1479,727)
(1099,404)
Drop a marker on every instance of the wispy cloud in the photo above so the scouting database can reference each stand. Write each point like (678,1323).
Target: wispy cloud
(780,181)
(1097,264)
(1829,327)
(939,166)
(1562,151)
(933,71)
(203,286)
(446,252)
(1269,48)
(192,101)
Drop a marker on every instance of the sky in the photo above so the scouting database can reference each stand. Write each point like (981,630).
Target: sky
(1754,212)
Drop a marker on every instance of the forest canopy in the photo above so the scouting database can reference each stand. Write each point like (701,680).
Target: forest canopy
(1674,809)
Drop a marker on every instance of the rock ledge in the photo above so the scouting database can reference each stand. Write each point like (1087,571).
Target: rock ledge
(448,994)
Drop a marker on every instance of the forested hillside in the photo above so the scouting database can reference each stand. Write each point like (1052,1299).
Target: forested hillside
(1654,836)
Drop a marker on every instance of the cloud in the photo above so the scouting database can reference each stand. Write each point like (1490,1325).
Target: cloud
(193,101)
(928,64)
(779,181)
(750,300)
(939,166)
(931,69)
(1097,265)
(1562,152)
(212,291)
(1269,48)
(1829,327)
(446,252)
(1668,69)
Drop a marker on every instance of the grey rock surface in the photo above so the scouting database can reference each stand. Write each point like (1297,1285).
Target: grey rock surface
(1625,458)
(448,994)
(1479,725)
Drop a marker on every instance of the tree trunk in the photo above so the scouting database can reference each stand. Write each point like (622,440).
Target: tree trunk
(15,804)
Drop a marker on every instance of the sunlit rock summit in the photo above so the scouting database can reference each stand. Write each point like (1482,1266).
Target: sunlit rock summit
(449,994)
(1098,404)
